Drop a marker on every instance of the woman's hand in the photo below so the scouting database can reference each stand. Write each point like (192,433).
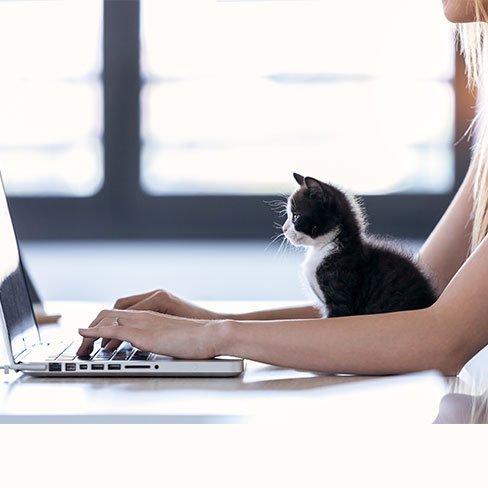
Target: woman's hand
(153,332)
(164,302)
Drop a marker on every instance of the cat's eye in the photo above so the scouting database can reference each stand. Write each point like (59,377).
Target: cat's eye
(294,218)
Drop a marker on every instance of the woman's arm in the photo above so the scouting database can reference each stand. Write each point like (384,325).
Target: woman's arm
(443,337)
(164,302)
(447,247)
(303,312)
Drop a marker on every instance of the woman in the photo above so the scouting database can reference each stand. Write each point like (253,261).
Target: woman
(443,337)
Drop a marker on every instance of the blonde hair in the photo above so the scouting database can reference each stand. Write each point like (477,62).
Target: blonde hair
(473,39)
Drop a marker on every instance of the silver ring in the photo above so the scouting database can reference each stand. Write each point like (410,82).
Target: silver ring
(116,321)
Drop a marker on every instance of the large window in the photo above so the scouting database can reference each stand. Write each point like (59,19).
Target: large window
(180,118)
(51,97)
(239,95)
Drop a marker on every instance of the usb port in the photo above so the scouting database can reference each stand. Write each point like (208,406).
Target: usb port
(54,366)
(114,366)
(97,366)
(70,367)
(83,366)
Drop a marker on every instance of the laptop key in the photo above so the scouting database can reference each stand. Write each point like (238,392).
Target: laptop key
(64,357)
(124,352)
(50,352)
(103,355)
(140,356)
(89,357)
(122,355)
(69,353)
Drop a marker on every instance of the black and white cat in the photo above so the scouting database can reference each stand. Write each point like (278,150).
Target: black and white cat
(350,272)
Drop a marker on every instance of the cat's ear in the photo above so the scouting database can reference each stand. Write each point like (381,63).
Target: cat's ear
(314,186)
(299,178)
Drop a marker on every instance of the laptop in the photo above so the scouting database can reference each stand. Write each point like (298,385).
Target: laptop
(27,353)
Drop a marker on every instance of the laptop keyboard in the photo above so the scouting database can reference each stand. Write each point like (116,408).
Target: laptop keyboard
(67,352)
(125,352)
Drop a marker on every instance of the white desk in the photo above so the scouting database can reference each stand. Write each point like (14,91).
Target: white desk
(262,394)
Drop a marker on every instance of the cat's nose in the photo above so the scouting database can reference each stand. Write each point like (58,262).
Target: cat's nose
(285,228)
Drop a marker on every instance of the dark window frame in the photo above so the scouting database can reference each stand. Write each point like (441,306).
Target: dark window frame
(122,210)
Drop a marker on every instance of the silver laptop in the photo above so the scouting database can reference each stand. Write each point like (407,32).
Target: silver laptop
(26,352)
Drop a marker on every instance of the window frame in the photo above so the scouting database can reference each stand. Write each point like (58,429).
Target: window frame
(122,210)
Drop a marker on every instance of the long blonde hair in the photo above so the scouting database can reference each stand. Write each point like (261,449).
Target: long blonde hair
(473,39)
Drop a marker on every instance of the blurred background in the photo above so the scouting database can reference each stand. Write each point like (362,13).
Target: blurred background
(142,141)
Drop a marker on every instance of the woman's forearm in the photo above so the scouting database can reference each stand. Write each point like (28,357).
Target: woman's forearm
(398,342)
(443,337)
(303,312)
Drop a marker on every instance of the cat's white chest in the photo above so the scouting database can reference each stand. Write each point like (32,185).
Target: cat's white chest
(314,258)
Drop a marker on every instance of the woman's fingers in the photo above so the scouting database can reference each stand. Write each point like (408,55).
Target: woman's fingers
(149,303)
(88,340)
(157,301)
(111,314)
(86,347)
(111,332)
(128,302)
(111,344)
(135,319)
(151,331)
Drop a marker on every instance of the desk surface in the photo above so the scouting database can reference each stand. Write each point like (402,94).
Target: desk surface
(263,393)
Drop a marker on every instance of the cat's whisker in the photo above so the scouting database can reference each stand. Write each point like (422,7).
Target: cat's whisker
(273,240)
(289,246)
(276,237)
(284,243)
(278,206)
(277,202)
(277,226)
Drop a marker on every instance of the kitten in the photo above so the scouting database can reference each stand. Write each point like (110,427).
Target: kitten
(350,272)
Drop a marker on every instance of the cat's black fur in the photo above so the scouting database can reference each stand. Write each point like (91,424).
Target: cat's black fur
(365,274)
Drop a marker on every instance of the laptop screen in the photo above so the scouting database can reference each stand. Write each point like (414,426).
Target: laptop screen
(16,305)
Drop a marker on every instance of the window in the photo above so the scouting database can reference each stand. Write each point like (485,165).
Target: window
(51,110)
(239,95)
(180,119)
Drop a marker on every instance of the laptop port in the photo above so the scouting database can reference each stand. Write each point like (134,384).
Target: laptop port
(83,366)
(54,366)
(70,367)
(97,366)
(114,366)
(137,366)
